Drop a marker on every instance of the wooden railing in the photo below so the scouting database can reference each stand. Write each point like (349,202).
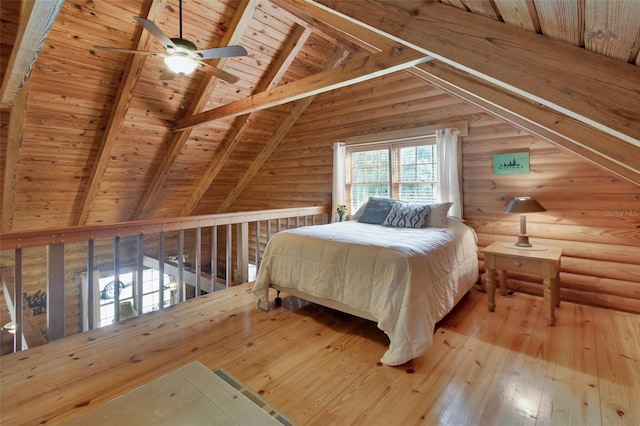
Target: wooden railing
(64,265)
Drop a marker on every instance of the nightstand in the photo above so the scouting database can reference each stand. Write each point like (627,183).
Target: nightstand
(502,257)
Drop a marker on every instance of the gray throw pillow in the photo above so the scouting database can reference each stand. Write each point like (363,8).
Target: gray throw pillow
(358,213)
(376,210)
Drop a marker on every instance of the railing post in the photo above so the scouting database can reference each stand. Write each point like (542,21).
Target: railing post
(214,257)
(197,261)
(55,291)
(229,259)
(91,297)
(140,275)
(258,245)
(161,261)
(268,231)
(181,283)
(116,279)
(243,252)
(18,302)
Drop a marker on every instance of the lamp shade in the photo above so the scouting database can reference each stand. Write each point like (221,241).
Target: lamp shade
(523,205)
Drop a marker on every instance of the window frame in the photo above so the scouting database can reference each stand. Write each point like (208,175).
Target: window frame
(393,147)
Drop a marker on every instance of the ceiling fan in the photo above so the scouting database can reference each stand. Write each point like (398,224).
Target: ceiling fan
(182,56)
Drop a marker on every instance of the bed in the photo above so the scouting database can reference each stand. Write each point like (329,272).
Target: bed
(404,279)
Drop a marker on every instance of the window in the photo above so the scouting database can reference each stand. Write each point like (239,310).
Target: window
(406,170)
(150,294)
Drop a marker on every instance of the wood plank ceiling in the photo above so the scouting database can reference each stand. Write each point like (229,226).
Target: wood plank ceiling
(94,136)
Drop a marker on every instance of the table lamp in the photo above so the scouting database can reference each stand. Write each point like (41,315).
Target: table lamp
(523,205)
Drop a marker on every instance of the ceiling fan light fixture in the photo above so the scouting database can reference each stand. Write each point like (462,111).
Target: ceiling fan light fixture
(181,63)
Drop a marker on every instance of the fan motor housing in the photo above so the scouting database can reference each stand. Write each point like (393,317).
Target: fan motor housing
(185,44)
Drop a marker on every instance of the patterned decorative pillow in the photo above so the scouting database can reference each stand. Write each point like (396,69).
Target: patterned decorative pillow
(438,217)
(405,215)
(376,210)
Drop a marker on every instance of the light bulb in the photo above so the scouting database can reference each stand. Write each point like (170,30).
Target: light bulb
(181,63)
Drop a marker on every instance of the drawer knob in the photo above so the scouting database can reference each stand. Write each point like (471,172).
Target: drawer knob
(517,263)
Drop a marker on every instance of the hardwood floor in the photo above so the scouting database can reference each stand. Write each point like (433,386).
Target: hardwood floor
(321,367)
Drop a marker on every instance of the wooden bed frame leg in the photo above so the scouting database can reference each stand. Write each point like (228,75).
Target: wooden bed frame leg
(278,298)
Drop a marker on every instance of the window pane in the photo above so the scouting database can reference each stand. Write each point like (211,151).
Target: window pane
(425,173)
(425,154)
(417,179)
(408,173)
(369,176)
(417,193)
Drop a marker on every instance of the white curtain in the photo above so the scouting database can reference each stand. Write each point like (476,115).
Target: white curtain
(339,166)
(449,170)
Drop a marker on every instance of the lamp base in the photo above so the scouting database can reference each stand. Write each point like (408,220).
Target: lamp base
(523,244)
(517,247)
(523,241)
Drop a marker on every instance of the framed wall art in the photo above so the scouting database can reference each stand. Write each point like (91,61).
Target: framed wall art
(513,163)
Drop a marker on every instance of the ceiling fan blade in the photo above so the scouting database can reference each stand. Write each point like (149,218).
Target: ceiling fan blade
(155,31)
(118,50)
(223,75)
(222,52)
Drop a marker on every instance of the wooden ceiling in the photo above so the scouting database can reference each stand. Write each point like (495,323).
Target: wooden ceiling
(94,136)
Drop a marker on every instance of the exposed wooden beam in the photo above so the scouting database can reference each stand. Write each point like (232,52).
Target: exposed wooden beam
(133,69)
(339,38)
(14,147)
(242,18)
(604,95)
(298,109)
(241,124)
(331,22)
(566,132)
(283,129)
(360,68)
(36,20)
(281,64)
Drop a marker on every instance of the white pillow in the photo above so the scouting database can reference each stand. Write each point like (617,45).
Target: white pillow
(358,213)
(438,216)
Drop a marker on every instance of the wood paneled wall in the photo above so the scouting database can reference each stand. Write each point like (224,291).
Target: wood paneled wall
(591,214)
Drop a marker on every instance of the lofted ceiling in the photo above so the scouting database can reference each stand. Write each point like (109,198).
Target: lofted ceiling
(95,136)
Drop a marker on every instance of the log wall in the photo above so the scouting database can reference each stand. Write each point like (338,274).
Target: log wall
(593,215)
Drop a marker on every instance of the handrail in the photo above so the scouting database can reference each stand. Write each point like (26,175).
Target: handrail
(235,267)
(35,238)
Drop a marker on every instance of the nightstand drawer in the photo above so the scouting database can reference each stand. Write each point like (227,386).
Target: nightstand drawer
(518,264)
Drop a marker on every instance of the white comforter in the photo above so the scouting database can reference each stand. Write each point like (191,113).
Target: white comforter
(408,279)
